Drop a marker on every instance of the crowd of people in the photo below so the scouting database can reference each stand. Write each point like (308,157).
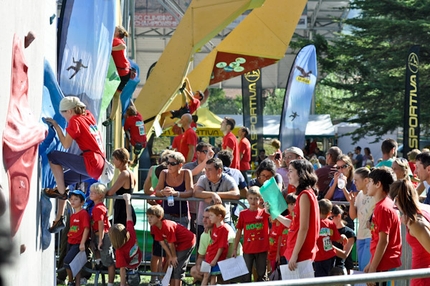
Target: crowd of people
(334,200)
(347,201)
(324,194)
(317,228)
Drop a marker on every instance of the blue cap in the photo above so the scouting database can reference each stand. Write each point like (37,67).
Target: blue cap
(78,193)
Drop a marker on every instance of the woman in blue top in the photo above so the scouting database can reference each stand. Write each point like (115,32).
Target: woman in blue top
(345,169)
(176,182)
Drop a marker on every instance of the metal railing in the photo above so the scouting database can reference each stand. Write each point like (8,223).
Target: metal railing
(144,269)
(398,275)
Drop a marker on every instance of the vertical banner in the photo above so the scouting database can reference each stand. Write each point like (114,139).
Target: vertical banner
(411,125)
(298,97)
(85,45)
(252,100)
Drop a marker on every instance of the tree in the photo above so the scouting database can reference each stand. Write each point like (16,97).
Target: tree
(274,102)
(218,103)
(367,65)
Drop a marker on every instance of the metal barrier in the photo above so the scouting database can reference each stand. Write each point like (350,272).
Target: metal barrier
(144,269)
(401,276)
(350,279)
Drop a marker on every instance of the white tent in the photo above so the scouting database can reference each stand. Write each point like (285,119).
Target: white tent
(319,125)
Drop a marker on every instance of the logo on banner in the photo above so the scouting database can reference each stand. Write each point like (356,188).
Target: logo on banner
(252,76)
(413,62)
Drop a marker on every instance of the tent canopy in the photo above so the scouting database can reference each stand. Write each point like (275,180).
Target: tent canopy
(208,125)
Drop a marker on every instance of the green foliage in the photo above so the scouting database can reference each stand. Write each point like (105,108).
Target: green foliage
(274,102)
(363,71)
(218,103)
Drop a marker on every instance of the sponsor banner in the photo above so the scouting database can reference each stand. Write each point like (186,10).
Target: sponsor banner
(298,97)
(253,109)
(411,126)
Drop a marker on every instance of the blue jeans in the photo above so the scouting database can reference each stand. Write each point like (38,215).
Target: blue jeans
(363,251)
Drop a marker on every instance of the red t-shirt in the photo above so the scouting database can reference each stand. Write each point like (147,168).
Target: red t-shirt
(309,248)
(99,213)
(385,219)
(255,226)
(174,233)
(274,234)
(219,239)
(230,141)
(328,233)
(78,222)
(245,150)
(189,138)
(120,59)
(177,142)
(193,105)
(129,255)
(134,125)
(83,129)
(420,256)
(284,237)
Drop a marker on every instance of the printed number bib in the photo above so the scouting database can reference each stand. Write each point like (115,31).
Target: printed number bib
(327,243)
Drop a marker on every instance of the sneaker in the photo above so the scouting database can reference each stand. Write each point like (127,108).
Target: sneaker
(71,284)
(107,122)
(55,194)
(57,226)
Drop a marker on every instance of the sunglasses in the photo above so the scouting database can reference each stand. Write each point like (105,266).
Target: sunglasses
(205,151)
(172,163)
(342,167)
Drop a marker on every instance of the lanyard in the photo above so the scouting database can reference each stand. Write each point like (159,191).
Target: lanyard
(217,189)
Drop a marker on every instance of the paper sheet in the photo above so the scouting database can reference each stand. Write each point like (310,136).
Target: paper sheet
(232,267)
(205,267)
(78,262)
(166,278)
(272,195)
(157,128)
(304,270)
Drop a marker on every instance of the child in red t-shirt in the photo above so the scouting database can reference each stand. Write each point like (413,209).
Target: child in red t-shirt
(78,232)
(283,232)
(255,225)
(100,228)
(127,252)
(134,128)
(190,102)
(177,241)
(218,247)
(326,254)
(386,242)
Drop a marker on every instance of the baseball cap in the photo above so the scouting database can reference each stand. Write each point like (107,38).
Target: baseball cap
(77,193)
(295,150)
(70,102)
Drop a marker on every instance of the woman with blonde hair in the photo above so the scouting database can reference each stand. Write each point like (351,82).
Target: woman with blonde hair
(402,170)
(345,172)
(82,129)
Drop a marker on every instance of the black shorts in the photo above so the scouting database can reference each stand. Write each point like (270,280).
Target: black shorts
(178,113)
(124,80)
(157,249)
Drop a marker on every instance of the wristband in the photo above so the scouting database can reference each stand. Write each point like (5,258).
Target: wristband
(179,194)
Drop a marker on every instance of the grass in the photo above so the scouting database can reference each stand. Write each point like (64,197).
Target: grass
(144,280)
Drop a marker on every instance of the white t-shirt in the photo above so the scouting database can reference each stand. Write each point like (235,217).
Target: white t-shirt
(365,205)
